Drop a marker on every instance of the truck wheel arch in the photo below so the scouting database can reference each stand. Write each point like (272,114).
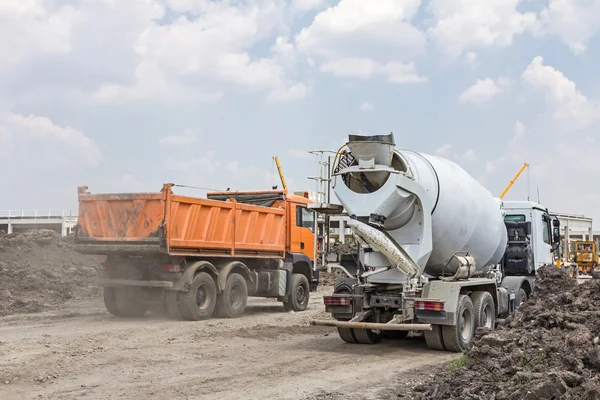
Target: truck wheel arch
(199,266)
(234,266)
(300,265)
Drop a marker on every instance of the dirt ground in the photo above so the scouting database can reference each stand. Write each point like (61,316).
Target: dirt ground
(81,351)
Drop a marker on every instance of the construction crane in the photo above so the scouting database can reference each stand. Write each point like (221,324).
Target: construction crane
(280,172)
(525,165)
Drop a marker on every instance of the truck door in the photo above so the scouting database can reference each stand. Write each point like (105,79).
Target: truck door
(543,239)
(303,236)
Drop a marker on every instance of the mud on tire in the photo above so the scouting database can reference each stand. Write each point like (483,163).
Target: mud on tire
(459,336)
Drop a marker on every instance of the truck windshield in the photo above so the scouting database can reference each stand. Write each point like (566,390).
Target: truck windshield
(514,218)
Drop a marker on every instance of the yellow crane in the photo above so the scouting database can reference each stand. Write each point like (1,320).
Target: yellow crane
(280,172)
(525,165)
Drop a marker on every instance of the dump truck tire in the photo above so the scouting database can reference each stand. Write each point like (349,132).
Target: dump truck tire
(485,310)
(110,301)
(172,303)
(231,303)
(129,303)
(199,302)
(299,294)
(434,338)
(459,337)
(366,336)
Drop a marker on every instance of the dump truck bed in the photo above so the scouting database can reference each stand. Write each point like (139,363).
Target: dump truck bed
(163,222)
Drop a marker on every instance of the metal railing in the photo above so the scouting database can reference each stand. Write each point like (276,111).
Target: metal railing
(47,213)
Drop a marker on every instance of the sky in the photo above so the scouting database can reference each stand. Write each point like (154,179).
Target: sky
(125,95)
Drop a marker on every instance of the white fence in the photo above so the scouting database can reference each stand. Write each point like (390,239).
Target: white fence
(47,213)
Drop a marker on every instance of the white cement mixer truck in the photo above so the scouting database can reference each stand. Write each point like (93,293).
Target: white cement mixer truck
(436,251)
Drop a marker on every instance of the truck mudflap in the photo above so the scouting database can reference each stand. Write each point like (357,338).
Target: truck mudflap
(371,325)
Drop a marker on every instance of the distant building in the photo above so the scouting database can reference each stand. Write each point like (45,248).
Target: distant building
(15,221)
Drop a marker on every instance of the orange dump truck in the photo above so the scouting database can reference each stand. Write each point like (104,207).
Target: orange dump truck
(195,257)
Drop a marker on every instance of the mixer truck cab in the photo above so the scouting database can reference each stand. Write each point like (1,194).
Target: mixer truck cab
(438,253)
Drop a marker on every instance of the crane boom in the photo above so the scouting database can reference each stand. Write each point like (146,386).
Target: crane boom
(280,172)
(525,165)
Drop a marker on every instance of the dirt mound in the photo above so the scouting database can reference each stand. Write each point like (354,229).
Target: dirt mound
(39,270)
(343,248)
(548,349)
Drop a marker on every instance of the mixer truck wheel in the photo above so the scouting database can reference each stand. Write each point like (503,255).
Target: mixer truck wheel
(199,301)
(347,335)
(366,336)
(434,338)
(459,336)
(485,310)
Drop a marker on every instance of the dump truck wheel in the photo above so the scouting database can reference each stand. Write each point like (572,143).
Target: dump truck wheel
(172,303)
(347,335)
(110,301)
(231,303)
(485,310)
(394,335)
(434,338)
(199,301)
(366,336)
(299,295)
(459,337)
(128,300)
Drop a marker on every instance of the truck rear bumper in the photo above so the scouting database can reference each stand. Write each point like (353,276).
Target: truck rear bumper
(371,325)
(128,282)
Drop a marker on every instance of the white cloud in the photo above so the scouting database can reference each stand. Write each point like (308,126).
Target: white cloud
(366,106)
(308,5)
(567,104)
(34,133)
(28,27)
(574,21)
(300,153)
(482,91)
(358,38)
(441,151)
(365,68)
(184,139)
(461,25)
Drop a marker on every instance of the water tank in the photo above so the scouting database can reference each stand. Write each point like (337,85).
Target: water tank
(465,216)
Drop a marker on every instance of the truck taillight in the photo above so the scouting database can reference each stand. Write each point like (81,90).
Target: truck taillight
(336,301)
(429,305)
(172,268)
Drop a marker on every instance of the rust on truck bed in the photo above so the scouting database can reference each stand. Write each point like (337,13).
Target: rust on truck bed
(180,225)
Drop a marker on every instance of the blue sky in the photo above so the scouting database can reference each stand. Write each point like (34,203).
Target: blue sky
(125,95)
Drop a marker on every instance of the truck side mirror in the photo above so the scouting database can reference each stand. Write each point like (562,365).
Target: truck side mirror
(555,223)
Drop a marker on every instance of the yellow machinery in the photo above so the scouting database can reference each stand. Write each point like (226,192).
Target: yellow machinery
(525,165)
(586,256)
(280,172)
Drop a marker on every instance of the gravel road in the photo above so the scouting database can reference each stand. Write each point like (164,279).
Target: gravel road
(81,351)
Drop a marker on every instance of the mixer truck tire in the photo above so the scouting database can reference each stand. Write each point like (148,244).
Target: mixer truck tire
(347,335)
(434,338)
(199,301)
(366,336)
(522,296)
(110,302)
(459,336)
(231,303)
(485,310)
(298,300)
